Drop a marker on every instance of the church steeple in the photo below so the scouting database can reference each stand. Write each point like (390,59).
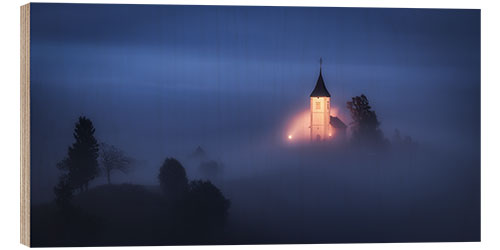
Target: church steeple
(320,89)
(320,109)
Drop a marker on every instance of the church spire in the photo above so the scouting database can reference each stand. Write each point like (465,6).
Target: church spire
(320,89)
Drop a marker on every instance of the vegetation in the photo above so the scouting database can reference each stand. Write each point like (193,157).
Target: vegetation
(178,212)
(365,125)
(206,205)
(173,179)
(64,193)
(270,208)
(114,159)
(81,165)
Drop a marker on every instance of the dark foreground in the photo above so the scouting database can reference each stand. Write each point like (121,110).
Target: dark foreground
(418,197)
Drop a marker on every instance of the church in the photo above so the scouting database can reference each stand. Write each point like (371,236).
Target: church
(323,126)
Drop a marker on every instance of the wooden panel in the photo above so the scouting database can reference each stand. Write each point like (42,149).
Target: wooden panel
(25,124)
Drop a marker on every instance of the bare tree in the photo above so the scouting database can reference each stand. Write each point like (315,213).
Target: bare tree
(113,159)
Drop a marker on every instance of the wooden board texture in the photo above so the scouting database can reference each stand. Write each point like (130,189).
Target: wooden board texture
(25,124)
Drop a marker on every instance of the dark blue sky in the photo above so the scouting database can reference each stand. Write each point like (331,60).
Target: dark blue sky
(160,80)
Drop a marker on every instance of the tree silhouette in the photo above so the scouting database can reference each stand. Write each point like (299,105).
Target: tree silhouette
(63,192)
(403,142)
(205,210)
(114,159)
(196,211)
(207,201)
(173,179)
(81,162)
(365,126)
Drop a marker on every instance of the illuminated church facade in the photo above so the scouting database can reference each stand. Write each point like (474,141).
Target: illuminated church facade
(323,126)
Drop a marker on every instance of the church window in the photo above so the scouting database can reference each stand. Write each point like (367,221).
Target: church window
(318,105)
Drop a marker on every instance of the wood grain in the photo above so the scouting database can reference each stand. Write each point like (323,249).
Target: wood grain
(25,124)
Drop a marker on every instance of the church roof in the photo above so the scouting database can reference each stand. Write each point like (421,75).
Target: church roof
(337,123)
(320,89)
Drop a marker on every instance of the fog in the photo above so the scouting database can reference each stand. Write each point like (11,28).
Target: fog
(158,82)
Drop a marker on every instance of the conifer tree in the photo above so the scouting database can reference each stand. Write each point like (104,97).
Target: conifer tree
(81,162)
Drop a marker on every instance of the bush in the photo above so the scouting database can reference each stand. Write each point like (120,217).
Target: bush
(173,179)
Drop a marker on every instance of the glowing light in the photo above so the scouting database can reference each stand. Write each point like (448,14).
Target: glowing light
(297,127)
(298,130)
(334,111)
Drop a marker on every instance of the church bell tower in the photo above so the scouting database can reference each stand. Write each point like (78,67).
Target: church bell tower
(320,110)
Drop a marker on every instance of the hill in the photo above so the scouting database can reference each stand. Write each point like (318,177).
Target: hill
(116,215)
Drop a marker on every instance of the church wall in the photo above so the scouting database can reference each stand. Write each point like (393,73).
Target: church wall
(320,117)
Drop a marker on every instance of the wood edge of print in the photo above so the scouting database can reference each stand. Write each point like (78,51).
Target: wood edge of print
(25,124)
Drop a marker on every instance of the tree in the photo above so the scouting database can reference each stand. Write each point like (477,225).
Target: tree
(403,142)
(114,159)
(365,129)
(63,192)
(173,179)
(207,200)
(81,162)
(206,208)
